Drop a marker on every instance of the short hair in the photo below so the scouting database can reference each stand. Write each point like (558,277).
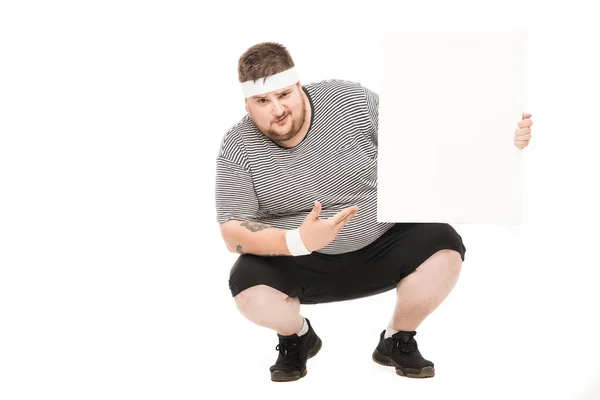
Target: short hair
(263,60)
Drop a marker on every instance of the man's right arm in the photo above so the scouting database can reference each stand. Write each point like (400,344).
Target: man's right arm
(237,207)
(255,238)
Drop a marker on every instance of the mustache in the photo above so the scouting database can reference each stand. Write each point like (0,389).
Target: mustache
(280,118)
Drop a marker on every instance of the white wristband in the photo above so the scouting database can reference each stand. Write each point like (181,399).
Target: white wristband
(294,243)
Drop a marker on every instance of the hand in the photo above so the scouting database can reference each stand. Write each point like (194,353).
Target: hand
(523,135)
(317,233)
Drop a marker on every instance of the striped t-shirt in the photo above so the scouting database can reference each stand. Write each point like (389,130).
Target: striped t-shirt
(335,163)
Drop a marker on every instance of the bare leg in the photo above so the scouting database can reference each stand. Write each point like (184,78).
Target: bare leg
(423,291)
(271,308)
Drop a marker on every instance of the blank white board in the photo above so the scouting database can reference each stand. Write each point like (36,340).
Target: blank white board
(449,104)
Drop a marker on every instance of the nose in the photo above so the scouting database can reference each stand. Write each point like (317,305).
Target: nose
(278,109)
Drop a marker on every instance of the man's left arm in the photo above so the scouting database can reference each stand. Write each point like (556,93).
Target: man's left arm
(373,112)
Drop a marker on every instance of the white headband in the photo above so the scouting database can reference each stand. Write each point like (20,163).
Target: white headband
(273,82)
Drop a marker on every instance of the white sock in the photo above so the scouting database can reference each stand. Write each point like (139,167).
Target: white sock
(389,331)
(304,328)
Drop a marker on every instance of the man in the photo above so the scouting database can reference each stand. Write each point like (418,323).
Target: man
(296,191)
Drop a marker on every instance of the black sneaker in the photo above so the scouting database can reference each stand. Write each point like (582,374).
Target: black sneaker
(401,351)
(294,350)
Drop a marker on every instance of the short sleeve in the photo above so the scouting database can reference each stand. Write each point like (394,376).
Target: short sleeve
(235,196)
(373,111)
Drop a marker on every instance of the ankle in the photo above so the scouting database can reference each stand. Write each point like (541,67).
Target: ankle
(389,331)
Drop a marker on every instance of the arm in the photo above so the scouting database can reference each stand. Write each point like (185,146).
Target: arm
(260,239)
(237,208)
(372,100)
(255,238)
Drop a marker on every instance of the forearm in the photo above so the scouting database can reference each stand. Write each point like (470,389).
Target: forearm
(255,238)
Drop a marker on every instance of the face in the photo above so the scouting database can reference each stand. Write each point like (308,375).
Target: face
(280,114)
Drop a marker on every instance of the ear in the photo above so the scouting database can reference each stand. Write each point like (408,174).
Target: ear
(246,101)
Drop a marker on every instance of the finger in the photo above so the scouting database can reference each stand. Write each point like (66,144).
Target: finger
(338,225)
(314,213)
(337,218)
(346,219)
(521,145)
(523,138)
(525,115)
(343,223)
(522,131)
(525,123)
(350,209)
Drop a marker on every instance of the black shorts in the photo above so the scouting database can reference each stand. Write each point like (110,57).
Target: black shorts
(322,278)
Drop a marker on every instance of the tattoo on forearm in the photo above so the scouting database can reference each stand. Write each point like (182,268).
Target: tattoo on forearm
(239,250)
(255,226)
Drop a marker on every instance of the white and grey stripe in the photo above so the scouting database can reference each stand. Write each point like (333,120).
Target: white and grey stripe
(336,163)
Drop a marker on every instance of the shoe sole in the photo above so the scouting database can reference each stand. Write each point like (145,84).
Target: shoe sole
(281,376)
(425,372)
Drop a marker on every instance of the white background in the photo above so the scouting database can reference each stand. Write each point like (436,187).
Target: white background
(113,280)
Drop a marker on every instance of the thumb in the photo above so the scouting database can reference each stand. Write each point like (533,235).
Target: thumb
(314,213)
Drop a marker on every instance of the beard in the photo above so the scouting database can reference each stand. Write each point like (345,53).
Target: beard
(295,125)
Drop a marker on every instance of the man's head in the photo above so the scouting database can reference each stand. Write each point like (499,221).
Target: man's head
(278,113)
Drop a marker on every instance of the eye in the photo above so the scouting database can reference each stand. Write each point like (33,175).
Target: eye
(285,94)
(262,101)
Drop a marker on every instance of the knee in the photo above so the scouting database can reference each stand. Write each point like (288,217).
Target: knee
(450,261)
(255,297)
